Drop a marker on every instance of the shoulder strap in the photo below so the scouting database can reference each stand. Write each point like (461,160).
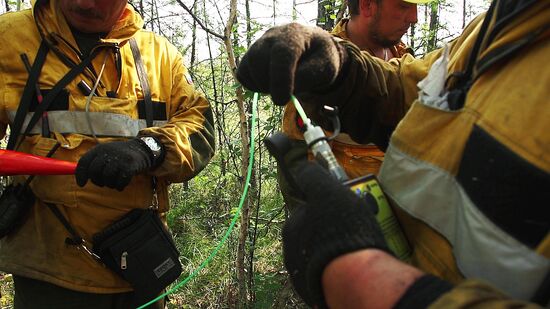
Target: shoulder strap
(463,79)
(25,102)
(142,75)
(144,82)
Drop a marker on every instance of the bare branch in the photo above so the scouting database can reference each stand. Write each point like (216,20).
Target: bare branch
(219,36)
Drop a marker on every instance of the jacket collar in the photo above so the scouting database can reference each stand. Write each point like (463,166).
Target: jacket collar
(509,31)
(51,23)
(397,50)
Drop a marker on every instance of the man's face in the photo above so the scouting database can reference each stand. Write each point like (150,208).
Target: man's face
(92,16)
(392,19)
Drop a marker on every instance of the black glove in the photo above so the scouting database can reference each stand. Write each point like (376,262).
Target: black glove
(292,59)
(334,222)
(114,164)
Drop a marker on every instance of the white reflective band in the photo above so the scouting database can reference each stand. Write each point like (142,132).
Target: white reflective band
(481,249)
(103,124)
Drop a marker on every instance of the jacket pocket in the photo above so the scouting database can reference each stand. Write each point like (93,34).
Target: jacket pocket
(56,189)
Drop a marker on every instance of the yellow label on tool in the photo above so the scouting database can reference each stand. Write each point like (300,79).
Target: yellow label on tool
(367,187)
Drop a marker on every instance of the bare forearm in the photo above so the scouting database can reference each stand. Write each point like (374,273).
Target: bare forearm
(368,278)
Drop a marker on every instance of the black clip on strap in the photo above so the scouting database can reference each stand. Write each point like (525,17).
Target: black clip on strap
(75,239)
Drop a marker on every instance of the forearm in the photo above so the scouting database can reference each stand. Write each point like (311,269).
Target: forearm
(368,278)
(371,278)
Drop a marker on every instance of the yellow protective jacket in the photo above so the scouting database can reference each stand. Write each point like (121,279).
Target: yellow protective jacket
(183,123)
(470,185)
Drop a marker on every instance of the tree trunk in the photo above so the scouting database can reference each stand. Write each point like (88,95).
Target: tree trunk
(157,16)
(463,14)
(433,27)
(194,38)
(341,11)
(274,11)
(245,140)
(248,24)
(411,38)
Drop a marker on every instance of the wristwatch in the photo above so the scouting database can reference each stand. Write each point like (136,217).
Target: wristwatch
(153,145)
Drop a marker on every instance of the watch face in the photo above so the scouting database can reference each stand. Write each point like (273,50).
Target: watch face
(151,143)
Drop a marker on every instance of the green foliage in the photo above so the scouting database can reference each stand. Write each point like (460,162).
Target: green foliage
(6,291)
(328,13)
(201,214)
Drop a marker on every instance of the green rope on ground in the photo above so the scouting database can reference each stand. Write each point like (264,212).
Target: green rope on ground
(235,217)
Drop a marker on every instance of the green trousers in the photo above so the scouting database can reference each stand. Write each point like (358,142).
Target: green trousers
(35,294)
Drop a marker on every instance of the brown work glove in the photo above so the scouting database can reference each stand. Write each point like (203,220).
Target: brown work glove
(292,59)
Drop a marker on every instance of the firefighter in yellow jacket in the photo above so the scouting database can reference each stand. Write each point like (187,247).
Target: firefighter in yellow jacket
(467,167)
(376,27)
(123,127)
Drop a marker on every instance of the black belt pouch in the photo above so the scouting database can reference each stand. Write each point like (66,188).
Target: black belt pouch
(140,249)
(15,204)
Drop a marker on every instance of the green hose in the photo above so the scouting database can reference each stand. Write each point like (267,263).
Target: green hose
(235,217)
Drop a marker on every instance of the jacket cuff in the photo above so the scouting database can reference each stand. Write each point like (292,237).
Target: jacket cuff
(423,292)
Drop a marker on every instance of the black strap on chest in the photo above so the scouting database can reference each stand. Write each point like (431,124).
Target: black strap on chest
(47,100)
(142,75)
(26,98)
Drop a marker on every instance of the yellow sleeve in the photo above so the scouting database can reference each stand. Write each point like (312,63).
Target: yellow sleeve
(474,294)
(188,136)
(372,95)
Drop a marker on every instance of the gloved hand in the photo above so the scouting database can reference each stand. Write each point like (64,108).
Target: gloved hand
(334,222)
(114,164)
(292,59)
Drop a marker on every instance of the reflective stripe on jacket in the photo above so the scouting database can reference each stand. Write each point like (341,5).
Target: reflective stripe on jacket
(183,123)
